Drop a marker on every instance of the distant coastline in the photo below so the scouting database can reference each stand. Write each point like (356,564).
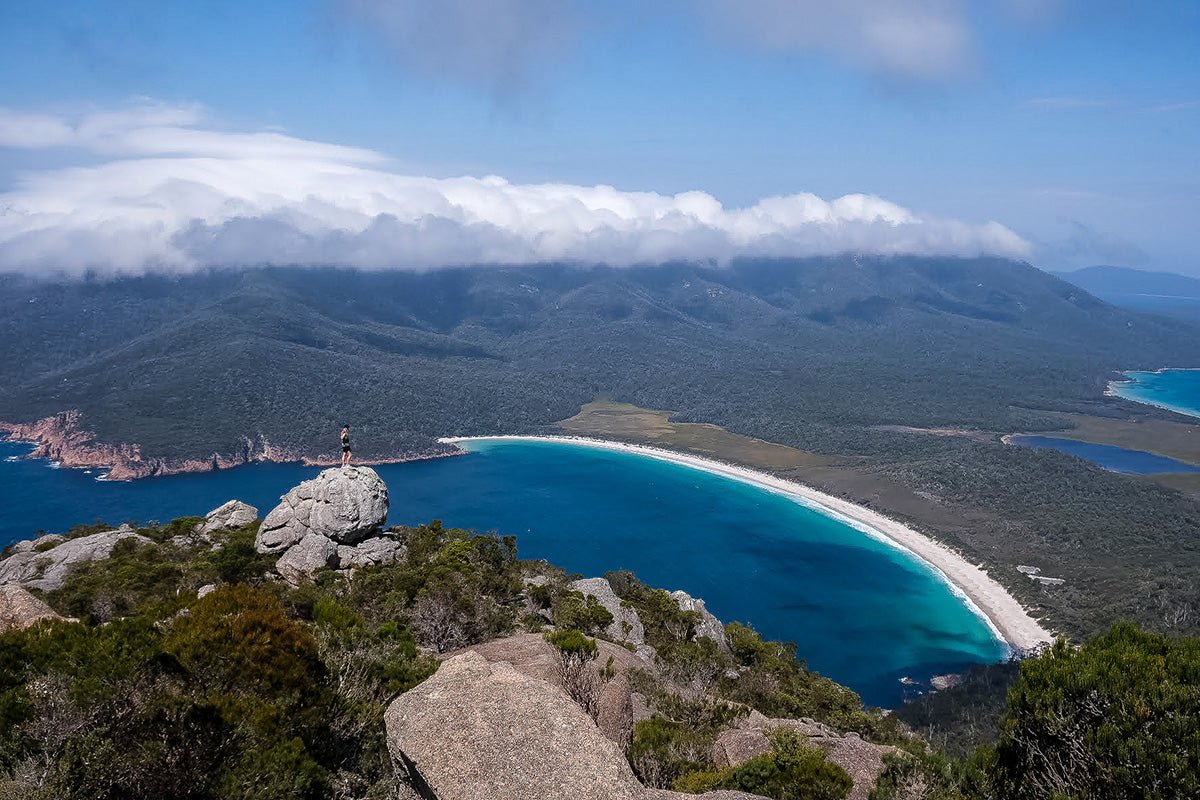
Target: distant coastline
(1125,388)
(1007,619)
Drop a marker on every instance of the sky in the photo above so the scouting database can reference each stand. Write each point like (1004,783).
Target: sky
(418,133)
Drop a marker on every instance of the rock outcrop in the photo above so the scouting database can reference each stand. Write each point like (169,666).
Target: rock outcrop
(626,625)
(343,504)
(47,569)
(19,609)
(333,520)
(39,544)
(376,550)
(478,730)
(310,554)
(233,514)
(862,760)
(709,626)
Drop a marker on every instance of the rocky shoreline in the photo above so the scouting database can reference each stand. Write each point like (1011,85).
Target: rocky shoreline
(62,438)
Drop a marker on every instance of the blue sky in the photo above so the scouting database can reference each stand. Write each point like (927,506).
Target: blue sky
(1075,126)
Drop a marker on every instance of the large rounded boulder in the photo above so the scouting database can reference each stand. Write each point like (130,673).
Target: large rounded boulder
(343,504)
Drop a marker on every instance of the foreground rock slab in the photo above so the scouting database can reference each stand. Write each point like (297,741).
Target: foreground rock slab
(531,655)
(480,730)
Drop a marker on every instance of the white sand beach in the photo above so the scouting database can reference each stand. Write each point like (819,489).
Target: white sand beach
(982,593)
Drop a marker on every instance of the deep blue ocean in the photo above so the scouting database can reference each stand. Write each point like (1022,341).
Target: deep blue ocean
(1113,459)
(1174,389)
(861,612)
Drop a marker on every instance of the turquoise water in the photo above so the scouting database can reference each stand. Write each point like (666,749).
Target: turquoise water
(861,612)
(1113,459)
(1174,389)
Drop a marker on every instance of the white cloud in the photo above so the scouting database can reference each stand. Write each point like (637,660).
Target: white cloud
(178,196)
(923,40)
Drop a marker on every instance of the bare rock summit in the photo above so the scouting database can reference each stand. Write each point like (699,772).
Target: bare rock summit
(343,504)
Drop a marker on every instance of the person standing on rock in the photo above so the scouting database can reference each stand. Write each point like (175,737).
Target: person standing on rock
(346,454)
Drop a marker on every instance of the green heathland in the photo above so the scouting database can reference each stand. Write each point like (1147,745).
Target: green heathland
(261,690)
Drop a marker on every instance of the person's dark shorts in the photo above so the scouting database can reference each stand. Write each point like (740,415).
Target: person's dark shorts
(345,448)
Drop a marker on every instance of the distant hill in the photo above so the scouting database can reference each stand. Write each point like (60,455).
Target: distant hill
(1157,292)
(802,351)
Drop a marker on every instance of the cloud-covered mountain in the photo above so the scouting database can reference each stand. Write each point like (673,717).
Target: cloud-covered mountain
(159,191)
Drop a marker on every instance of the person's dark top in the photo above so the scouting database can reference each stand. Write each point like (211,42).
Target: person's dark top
(345,440)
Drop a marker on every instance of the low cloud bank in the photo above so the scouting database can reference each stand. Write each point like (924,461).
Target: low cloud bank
(175,196)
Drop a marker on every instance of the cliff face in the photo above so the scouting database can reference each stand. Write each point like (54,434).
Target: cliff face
(63,438)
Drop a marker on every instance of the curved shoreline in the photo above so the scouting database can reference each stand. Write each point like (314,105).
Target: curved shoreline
(1113,390)
(983,595)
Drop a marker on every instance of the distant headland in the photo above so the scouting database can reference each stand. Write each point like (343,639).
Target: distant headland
(64,439)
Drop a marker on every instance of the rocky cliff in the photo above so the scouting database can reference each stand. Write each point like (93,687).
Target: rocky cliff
(63,438)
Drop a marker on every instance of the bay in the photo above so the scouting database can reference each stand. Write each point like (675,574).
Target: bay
(1173,389)
(862,612)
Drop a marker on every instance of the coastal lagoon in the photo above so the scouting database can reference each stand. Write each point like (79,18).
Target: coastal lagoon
(860,611)
(1113,459)
(1173,389)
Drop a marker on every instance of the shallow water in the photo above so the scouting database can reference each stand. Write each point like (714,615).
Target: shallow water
(861,612)
(1174,389)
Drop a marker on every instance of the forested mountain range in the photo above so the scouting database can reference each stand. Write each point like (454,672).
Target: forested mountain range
(805,352)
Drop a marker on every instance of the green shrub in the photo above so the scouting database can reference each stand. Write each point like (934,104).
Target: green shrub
(772,681)
(791,771)
(575,652)
(704,780)
(664,621)
(237,560)
(582,613)
(238,640)
(1117,718)
(135,578)
(662,751)
(933,775)
(183,526)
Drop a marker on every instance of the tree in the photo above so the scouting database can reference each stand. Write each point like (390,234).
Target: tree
(1116,718)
